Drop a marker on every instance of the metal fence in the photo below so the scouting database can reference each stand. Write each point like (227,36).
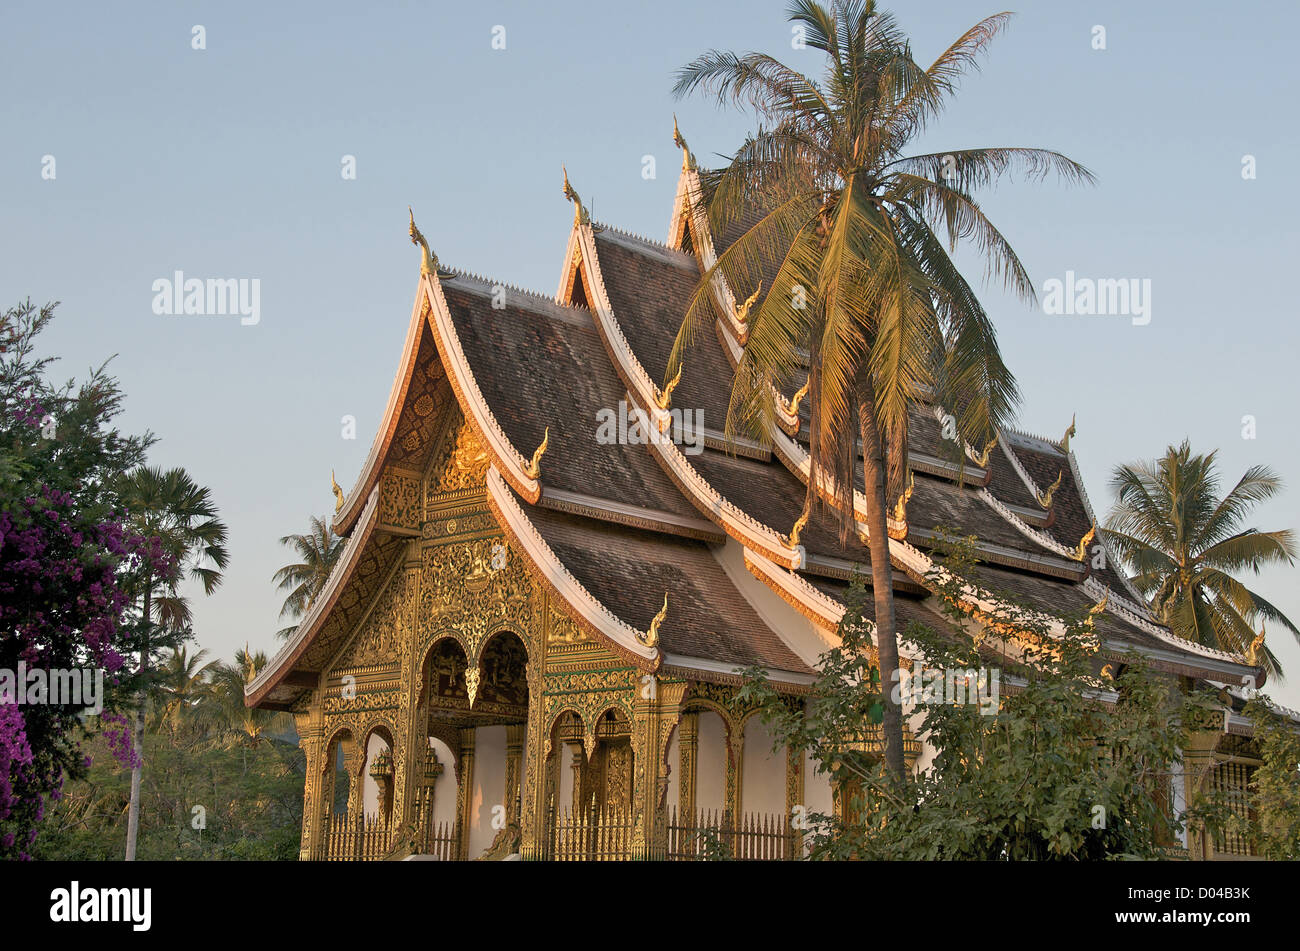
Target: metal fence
(711,834)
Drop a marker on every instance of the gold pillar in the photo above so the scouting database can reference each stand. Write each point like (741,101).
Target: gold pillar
(310,738)
(412,717)
(794,797)
(354,761)
(735,771)
(465,788)
(688,757)
(515,734)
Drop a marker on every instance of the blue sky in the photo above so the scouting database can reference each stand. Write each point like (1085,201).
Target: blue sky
(226,161)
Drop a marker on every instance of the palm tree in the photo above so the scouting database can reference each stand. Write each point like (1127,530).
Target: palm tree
(1184,543)
(852,237)
(235,718)
(319,551)
(182,686)
(179,519)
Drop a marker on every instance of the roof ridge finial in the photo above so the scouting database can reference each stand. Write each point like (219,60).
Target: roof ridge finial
(580,216)
(338,493)
(1045,498)
(1253,651)
(688,159)
(665,397)
(651,637)
(534,468)
(428,260)
(1065,440)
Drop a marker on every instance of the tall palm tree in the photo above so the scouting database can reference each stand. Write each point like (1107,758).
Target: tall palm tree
(1183,543)
(852,237)
(169,507)
(319,550)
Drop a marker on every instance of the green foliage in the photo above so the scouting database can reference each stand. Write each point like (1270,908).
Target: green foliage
(1068,764)
(319,550)
(1184,543)
(1275,787)
(205,748)
(251,797)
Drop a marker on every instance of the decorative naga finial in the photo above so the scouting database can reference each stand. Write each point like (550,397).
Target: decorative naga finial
(983,460)
(534,468)
(1100,605)
(792,407)
(1065,440)
(1081,551)
(900,507)
(651,637)
(1254,651)
(428,260)
(793,538)
(1045,498)
(665,398)
(338,494)
(688,160)
(1108,671)
(742,312)
(580,216)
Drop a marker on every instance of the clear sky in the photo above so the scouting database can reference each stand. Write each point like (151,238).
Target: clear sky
(226,162)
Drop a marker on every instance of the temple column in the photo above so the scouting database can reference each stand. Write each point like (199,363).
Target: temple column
(735,771)
(412,722)
(515,734)
(688,750)
(465,789)
(795,807)
(354,760)
(310,737)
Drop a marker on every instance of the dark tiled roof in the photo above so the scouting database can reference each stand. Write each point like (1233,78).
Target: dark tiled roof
(542,365)
(629,570)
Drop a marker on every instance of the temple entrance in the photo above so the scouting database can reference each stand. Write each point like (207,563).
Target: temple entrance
(589,813)
(467,801)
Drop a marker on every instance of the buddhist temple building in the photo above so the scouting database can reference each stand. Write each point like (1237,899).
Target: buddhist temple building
(556,565)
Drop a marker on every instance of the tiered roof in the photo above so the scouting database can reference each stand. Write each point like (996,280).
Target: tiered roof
(612,528)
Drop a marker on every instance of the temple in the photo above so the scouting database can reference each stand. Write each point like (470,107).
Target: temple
(531,643)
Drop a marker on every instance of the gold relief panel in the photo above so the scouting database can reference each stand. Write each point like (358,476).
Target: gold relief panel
(460,464)
(399,500)
(384,634)
(474,589)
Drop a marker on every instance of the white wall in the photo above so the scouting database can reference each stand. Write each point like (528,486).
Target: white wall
(370,788)
(444,789)
(711,764)
(488,786)
(763,778)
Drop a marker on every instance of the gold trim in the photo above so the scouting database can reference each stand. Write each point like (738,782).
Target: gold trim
(534,468)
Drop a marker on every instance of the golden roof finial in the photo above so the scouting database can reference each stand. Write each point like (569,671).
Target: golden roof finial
(688,160)
(1100,605)
(428,260)
(534,468)
(1108,671)
(792,407)
(1065,440)
(1045,498)
(651,637)
(742,312)
(665,398)
(793,538)
(900,508)
(1256,646)
(338,494)
(1081,551)
(580,216)
(983,460)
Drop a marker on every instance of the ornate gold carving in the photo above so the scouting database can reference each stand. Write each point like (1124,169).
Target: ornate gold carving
(424,405)
(792,407)
(338,493)
(742,312)
(1045,498)
(688,159)
(793,538)
(534,468)
(471,684)
(983,460)
(900,507)
(1255,651)
(1081,550)
(665,398)
(651,637)
(580,216)
(428,260)
(1065,440)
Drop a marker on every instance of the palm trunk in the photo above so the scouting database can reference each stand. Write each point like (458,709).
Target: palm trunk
(137,736)
(882,587)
